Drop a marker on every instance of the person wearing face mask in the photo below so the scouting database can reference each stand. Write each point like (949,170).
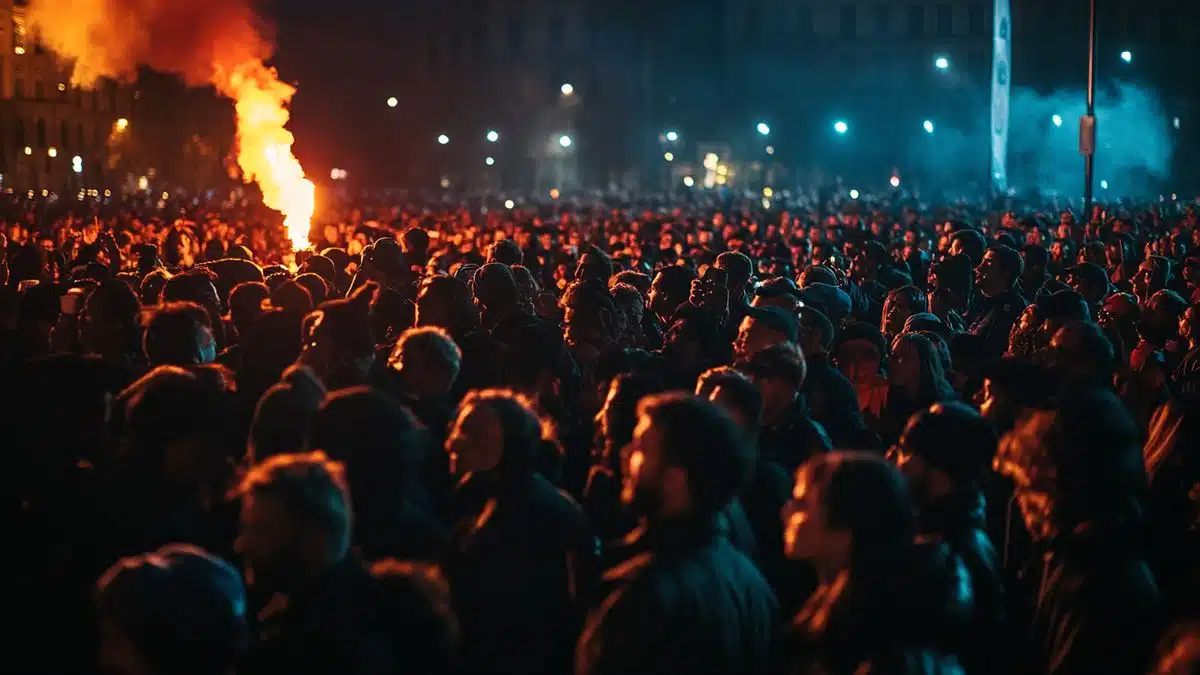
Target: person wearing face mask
(179,334)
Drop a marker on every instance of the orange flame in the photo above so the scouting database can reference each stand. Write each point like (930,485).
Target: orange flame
(206,42)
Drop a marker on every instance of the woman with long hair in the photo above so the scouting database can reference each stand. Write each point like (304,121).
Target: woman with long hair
(916,380)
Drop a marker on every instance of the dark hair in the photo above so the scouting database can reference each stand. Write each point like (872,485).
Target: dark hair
(521,429)
(1010,261)
(292,296)
(315,285)
(703,440)
(506,252)
(783,360)
(1035,255)
(170,332)
(741,393)
(246,304)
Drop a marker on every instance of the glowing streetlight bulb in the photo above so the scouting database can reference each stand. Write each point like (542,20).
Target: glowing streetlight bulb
(672,136)
(941,63)
(895,181)
(841,127)
(52,152)
(1127,56)
(928,125)
(1103,185)
(854,194)
(669,156)
(764,129)
(493,136)
(28,150)
(392,102)
(770,149)
(564,141)
(508,204)
(688,181)
(567,89)
(122,124)
(489,161)
(443,139)
(768,192)
(1057,120)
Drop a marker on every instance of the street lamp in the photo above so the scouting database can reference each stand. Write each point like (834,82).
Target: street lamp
(493,136)
(1057,120)
(770,149)
(928,125)
(567,89)
(52,152)
(28,150)
(77,164)
(1127,56)
(443,139)
(672,136)
(489,160)
(841,127)
(895,181)
(941,63)
(688,181)
(669,156)
(392,102)
(854,194)
(122,124)
(564,141)
(764,129)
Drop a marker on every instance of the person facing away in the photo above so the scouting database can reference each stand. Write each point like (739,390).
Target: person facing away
(690,602)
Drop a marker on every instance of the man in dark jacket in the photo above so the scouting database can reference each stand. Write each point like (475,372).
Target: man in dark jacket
(946,453)
(1001,302)
(1080,477)
(690,603)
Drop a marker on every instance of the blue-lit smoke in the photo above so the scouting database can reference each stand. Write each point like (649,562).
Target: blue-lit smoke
(1135,144)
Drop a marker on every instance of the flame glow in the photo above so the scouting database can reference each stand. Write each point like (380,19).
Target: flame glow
(206,42)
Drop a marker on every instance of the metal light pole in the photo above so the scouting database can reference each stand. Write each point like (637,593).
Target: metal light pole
(1087,126)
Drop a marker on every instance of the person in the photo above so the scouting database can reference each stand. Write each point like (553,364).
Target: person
(339,344)
(998,274)
(945,453)
(296,526)
(884,602)
(763,327)
(424,364)
(669,289)
(385,453)
(521,559)
(414,600)
(1079,483)
(178,609)
(179,334)
(901,303)
(831,398)
(788,434)
(916,380)
(689,602)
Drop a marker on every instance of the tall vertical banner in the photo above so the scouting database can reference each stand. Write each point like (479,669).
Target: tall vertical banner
(1001,74)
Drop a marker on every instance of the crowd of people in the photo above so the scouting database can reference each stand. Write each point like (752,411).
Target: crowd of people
(597,439)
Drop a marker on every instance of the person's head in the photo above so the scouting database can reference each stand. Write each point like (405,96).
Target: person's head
(969,243)
(1160,317)
(292,297)
(591,321)
(849,511)
(999,271)
(495,289)
(1152,276)
(109,321)
(1079,352)
(284,415)
(945,449)
(1035,258)
(1055,311)
(763,327)
(417,614)
(669,290)
(693,340)
(316,286)
(1078,463)
(738,397)
(817,274)
(739,270)
(915,366)
(1089,280)
(339,343)
(859,350)
(778,371)
(494,430)
(951,284)
(505,252)
(779,292)
(178,334)
(618,415)
(296,519)
(247,301)
(816,332)
(178,610)
(687,460)
(445,302)
(900,304)
(427,361)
